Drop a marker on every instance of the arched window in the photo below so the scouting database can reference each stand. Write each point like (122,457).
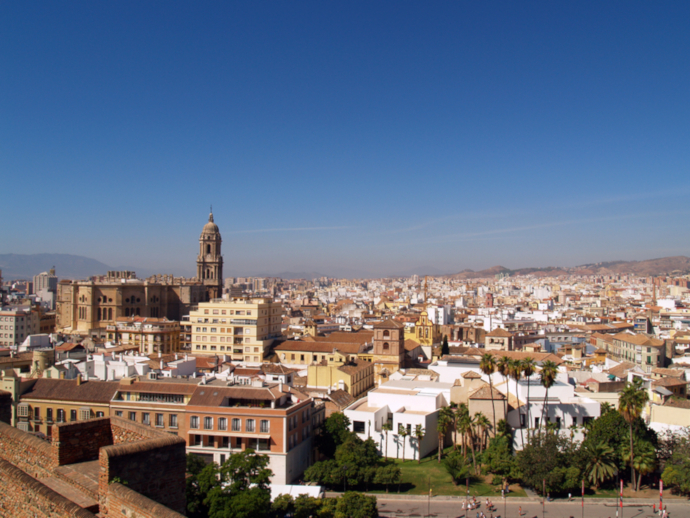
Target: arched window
(208,249)
(99,314)
(126,312)
(386,333)
(386,347)
(138,312)
(110,313)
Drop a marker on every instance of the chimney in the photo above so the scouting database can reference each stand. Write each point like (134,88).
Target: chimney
(280,385)
(162,365)
(78,378)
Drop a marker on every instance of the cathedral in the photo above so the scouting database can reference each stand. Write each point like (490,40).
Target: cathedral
(209,263)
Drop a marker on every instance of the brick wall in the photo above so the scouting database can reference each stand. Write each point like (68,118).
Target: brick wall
(27,452)
(23,496)
(125,503)
(5,407)
(154,467)
(81,441)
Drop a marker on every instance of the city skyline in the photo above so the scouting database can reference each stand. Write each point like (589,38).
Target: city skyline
(375,138)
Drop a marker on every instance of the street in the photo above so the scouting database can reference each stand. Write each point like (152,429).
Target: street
(453,509)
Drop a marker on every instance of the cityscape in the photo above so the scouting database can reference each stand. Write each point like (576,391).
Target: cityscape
(345,260)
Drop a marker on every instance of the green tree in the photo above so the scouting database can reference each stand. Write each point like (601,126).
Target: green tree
(549,458)
(488,366)
(457,467)
(444,347)
(676,474)
(600,463)
(356,505)
(482,422)
(503,366)
(403,433)
(419,434)
(498,458)
(547,376)
(529,367)
(200,478)
(644,461)
(631,403)
(445,420)
(306,506)
(283,505)
(387,427)
(334,432)
(515,372)
(388,474)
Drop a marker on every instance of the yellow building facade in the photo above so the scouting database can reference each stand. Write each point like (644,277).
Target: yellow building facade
(338,371)
(241,328)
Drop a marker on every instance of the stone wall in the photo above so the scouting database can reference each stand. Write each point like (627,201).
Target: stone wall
(125,431)
(23,496)
(125,503)
(81,441)
(25,451)
(5,407)
(154,467)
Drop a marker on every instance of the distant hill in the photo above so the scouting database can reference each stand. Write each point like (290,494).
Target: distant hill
(665,265)
(67,266)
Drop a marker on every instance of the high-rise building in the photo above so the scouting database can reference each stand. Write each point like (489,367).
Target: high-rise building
(241,328)
(46,281)
(209,263)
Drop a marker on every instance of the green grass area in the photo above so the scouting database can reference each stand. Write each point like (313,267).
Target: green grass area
(416,479)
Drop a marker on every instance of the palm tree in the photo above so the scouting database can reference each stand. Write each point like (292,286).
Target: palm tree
(631,402)
(548,373)
(488,367)
(419,434)
(387,427)
(644,461)
(402,432)
(471,423)
(445,420)
(503,366)
(515,372)
(484,424)
(601,463)
(461,411)
(529,367)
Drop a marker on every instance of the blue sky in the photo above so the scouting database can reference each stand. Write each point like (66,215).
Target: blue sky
(334,136)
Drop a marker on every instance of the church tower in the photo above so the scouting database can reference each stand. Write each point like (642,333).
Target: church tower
(209,263)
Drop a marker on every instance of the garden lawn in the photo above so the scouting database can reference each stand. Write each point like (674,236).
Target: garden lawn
(416,477)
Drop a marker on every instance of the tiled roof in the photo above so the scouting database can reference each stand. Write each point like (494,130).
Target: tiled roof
(69,390)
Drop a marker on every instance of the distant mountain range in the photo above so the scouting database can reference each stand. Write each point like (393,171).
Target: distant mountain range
(665,265)
(67,266)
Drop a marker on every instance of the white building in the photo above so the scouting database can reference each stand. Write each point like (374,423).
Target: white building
(404,404)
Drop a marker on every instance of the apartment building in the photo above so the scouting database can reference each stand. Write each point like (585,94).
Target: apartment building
(648,353)
(150,335)
(16,323)
(242,328)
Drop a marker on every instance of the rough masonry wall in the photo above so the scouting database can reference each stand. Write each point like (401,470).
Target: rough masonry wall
(23,496)
(125,503)
(81,441)
(154,467)
(25,451)
(125,431)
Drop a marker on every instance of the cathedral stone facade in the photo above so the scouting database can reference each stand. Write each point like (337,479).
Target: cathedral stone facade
(209,263)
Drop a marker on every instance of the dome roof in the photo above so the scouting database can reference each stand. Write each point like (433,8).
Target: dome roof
(210,227)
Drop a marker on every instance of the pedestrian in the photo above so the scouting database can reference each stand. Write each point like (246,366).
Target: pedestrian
(520,511)
(570,497)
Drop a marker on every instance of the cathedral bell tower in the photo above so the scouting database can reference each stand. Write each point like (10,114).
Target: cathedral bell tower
(209,263)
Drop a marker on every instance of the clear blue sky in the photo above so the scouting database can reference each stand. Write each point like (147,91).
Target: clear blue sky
(374,136)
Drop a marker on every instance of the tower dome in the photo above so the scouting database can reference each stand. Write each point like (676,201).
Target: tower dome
(209,262)
(210,227)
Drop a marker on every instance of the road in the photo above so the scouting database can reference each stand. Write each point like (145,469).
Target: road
(453,509)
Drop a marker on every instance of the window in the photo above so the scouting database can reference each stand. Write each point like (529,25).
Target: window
(222,423)
(359,426)
(132,416)
(194,421)
(251,425)
(37,413)
(60,415)
(236,425)
(100,414)
(173,420)
(264,427)
(208,423)
(196,440)
(159,420)
(146,418)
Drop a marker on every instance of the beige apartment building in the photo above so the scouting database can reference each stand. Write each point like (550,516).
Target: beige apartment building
(151,335)
(241,328)
(16,324)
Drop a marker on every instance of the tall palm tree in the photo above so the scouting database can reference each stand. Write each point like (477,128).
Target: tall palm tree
(471,423)
(484,424)
(445,421)
(548,373)
(387,427)
(503,366)
(515,372)
(488,366)
(631,403)
(460,411)
(529,367)
(601,463)
(402,432)
(419,434)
